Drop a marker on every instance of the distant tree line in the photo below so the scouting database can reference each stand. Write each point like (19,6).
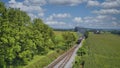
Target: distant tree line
(115,32)
(63,29)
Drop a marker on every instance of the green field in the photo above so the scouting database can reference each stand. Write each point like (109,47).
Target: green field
(103,51)
(58,33)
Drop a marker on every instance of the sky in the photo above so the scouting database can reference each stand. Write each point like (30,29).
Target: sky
(71,13)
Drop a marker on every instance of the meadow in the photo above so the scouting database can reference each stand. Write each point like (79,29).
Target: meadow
(103,51)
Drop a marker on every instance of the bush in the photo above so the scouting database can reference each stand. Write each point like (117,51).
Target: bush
(44,60)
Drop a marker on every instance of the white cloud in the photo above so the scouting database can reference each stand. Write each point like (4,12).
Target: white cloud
(34,11)
(12,1)
(99,18)
(23,7)
(107,15)
(104,14)
(111,4)
(50,18)
(35,2)
(55,23)
(59,16)
(107,11)
(78,19)
(58,20)
(93,3)
(115,23)
(66,2)
(40,14)
(91,20)
(59,24)
(98,21)
(32,16)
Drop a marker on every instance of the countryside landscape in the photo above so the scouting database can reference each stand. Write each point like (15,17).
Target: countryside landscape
(59,34)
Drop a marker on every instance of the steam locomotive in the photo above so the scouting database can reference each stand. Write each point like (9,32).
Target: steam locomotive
(79,40)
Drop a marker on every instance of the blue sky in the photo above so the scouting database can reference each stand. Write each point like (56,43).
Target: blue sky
(72,13)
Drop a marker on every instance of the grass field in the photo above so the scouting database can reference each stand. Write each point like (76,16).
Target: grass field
(61,32)
(103,51)
(42,61)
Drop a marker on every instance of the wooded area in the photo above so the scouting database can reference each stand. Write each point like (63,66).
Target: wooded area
(22,38)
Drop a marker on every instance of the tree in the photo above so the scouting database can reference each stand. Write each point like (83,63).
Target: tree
(69,39)
(46,33)
(86,34)
(21,38)
(15,37)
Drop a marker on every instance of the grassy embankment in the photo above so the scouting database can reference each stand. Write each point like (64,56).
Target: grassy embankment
(103,51)
(42,61)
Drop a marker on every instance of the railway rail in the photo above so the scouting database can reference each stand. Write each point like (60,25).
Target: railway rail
(61,61)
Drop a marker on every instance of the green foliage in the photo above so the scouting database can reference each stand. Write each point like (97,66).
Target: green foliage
(103,51)
(21,39)
(82,51)
(64,39)
(77,62)
(43,61)
(69,39)
(81,55)
(115,32)
(86,34)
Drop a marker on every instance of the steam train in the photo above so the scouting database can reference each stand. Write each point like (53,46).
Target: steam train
(79,40)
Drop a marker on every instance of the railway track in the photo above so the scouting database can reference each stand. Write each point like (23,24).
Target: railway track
(61,61)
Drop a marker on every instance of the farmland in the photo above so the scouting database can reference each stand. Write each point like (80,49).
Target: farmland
(103,51)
